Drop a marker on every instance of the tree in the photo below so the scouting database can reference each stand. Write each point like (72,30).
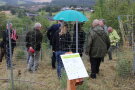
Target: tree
(110,10)
(2,20)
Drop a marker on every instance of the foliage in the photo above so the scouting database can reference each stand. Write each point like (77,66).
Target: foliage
(2,20)
(123,68)
(110,10)
(20,12)
(20,54)
(51,8)
(21,24)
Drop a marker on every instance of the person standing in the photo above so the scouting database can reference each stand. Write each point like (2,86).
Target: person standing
(104,27)
(102,24)
(50,33)
(61,44)
(97,46)
(33,44)
(13,37)
(114,39)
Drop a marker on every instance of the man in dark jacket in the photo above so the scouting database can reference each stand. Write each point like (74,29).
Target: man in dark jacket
(2,51)
(50,33)
(102,24)
(97,46)
(13,38)
(33,44)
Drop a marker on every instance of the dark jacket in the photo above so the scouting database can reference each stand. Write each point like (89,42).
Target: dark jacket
(34,39)
(2,44)
(61,42)
(98,43)
(81,40)
(2,51)
(6,39)
(51,31)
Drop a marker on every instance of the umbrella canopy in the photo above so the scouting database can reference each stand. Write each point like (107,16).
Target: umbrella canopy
(70,15)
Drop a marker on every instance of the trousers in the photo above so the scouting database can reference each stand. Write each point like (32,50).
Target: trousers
(95,64)
(33,61)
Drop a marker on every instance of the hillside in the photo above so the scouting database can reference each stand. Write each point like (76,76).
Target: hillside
(15,2)
(39,0)
(53,2)
(74,2)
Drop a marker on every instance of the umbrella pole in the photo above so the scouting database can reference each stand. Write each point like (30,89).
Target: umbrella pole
(76,36)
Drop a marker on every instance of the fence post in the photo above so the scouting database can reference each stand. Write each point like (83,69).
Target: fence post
(121,29)
(134,58)
(10,57)
(133,45)
(134,61)
(76,36)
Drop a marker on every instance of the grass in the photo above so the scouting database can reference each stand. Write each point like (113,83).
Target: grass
(124,68)
(20,54)
(63,81)
(21,86)
(107,79)
(84,86)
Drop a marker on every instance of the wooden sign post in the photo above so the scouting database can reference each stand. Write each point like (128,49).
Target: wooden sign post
(75,69)
(71,84)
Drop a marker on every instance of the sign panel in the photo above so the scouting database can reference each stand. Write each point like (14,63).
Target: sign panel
(74,66)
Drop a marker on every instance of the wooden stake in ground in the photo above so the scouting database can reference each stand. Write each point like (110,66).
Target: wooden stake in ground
(71,84)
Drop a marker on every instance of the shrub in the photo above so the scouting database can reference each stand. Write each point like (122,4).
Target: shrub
(20,54)
(123,68)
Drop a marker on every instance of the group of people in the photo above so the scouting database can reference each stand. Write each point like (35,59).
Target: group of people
(100,41)
(61,42)
(5,46)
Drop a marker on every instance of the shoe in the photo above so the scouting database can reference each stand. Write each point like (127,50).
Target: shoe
(53,67)
(93,76)
(30,71)
(97,72)
(59,77)
(110,58)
